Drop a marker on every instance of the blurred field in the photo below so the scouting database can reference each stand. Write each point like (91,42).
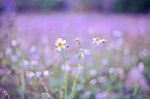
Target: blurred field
(118,69)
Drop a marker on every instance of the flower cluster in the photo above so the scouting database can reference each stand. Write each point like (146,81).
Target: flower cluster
(97,40)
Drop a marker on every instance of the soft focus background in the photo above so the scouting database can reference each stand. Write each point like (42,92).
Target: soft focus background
(31,68)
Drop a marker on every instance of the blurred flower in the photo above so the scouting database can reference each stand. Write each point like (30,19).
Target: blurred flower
(105,61)
(102,95)
(25,63)
(111,70)
(61,44)
(81,53)
(46,95)
(8,51)
(38,74)
(93,72)
(80,69)
(93,81)
(102,79)
(33,49)
(14,42)
(30,74)
(45,73)
(34,62)
(141,66)
(97,40)
(14,58)
(65,67)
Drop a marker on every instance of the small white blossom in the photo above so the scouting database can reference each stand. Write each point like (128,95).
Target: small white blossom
(33,49)
(8,51)
(111,70)
(14,58)
(60,44)
(25,63)
(97,40)
(93,81)
(45,73)
(38,74)
(93,72)
(14,42)
(141,66)
(30,74)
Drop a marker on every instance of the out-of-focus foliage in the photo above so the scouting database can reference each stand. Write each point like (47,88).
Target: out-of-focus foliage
(92,4)
(131,5)
(39,4)
(146,61)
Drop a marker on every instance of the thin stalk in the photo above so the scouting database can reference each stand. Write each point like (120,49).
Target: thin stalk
(135,91)
(22,84)
(65,74)
(73,87)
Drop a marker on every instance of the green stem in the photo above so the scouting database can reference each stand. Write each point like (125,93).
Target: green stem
(74,84)
(65,84)
(135,91)
(73,89)
(22,84)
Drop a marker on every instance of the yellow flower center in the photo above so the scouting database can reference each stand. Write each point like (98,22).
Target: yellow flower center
(59,44)
(97,38)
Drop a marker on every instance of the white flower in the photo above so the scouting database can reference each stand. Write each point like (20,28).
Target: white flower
(80,69)
(14,42)
(33,49)
(141,66)
(38,74)
(102,79)
(34,62)
(93,81)
(61,44)
(111,70)
(93,72)
(14,58)
(8,51)
(97,40)
(25,63)
(30,74)
(45,73)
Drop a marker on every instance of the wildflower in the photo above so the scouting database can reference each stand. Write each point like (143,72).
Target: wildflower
(45,73)
(97,40)
(14,58)
(93,81)
(81,53)
(141,66)
(33,49)
(25,63)
(102,79)
(30,74)
(14,43)
(111,70)
(38,74)
(8,51)
(61,44)
(93,72)
(34,62)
